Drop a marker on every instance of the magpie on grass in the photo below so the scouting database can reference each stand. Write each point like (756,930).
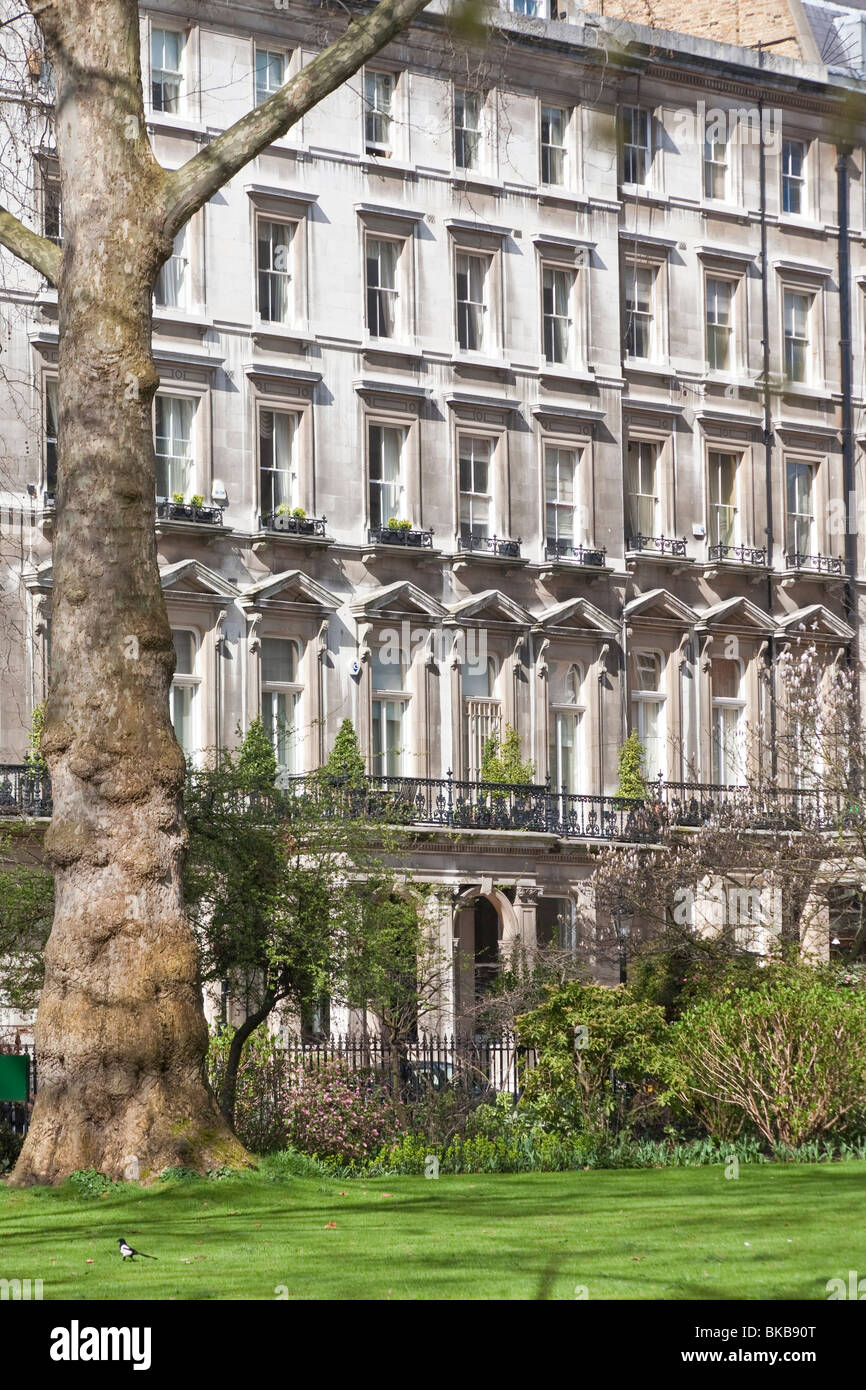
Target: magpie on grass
(128,1253)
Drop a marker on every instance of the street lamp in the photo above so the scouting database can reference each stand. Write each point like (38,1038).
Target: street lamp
(622,921)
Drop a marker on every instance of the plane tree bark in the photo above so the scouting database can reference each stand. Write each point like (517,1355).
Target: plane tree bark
(120,1032)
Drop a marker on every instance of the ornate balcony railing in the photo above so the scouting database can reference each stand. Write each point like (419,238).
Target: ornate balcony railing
(821,564)
(740,554)
(463,805)
(401,535)
(490,545)
(658,545)
(591,555)
(294,525)
(186,511)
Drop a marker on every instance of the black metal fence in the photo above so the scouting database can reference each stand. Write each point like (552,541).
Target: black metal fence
(431,1062)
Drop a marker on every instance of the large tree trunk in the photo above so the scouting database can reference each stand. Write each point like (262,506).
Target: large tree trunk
(120,1033)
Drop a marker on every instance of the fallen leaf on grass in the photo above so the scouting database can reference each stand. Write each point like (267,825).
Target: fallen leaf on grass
(330,1225)
(88,1262)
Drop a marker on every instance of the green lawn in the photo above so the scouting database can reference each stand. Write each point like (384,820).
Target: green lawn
(776,1232)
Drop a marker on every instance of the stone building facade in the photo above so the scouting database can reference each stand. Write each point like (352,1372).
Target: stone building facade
(511,388)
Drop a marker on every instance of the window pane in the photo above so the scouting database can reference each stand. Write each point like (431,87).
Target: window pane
(173,444)
(274,269)
(184,650)
(279,661)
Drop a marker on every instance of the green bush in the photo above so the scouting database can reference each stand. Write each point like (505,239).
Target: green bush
(263,1076)
(631,783)
(89,1182)
(787,1057)
(590,1042)
(10,1146)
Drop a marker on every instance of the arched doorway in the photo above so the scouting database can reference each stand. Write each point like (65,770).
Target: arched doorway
(485,946)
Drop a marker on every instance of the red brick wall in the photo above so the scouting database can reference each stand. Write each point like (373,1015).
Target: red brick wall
(744,22)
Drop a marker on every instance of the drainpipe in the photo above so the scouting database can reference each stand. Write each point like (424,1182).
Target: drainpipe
(846,375)
(768,427)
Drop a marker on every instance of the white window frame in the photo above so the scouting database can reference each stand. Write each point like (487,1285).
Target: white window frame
(641,699)
(481,716)
(380,486)
(179,72)
(275,274)
(716,329)
(468,139)
(555,506)
(638,153)
(194,468)
(375,114)
(192,682)
(464,316)
(551,319)
(715,509)
(797,521)
(395,292)
(809,345)
(720,704)
(556,154)
(290,474)
(261,92)
(640,503)
(475,499)
(289,742)
(635,272)
(574,710)
(710,166)
(791,182)
(176,270)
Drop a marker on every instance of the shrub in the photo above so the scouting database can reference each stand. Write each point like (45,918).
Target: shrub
(788,1056)
(89,1182)
(10,1146)
(584,1036)
(631,784)
(501,761)
(333,1113)
(256,762)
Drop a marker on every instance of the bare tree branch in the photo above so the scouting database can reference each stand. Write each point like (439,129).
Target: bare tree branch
(189,187)
(29,246)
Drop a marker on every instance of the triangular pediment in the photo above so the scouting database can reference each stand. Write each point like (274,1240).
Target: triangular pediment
(291,586)
(577,613)
(737,612)
(398,599)
(192,577)
(815,621)
(660,603)
(491,606)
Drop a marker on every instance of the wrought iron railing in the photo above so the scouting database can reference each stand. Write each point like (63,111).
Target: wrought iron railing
(401,535)
(658,545)
(294,525)
(455,804)
(490,545)
(742,554)
(821,564)
(591,555)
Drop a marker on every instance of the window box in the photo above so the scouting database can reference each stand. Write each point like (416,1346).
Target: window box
(294,525)
(177,511)
(405,536)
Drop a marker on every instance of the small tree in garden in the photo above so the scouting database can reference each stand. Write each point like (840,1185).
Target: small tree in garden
(334,1113)
(501,760)
(35,760)
(26,909)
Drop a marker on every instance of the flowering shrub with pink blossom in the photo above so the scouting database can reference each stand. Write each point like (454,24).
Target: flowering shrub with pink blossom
(334,1113)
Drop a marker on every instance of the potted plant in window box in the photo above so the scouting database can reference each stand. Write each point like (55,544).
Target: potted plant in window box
(399,532)
(293,519)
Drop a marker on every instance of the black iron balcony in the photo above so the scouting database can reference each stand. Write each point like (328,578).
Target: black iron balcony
(294,525)
(819,564)
(190,512)
(401,535)
(489,545)
(739,554)
(467,805)
(658,545)
(593,556)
